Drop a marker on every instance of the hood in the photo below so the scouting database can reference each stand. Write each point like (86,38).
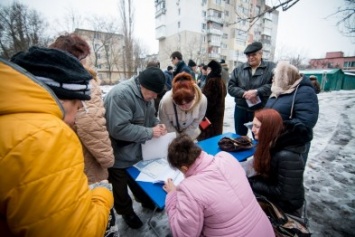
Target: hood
(21,92)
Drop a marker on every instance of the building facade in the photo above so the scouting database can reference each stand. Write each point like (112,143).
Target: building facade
(106,54)
(214,29)
(334,60)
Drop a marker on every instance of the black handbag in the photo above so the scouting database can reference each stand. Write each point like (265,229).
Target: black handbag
(236,144)
(284,224)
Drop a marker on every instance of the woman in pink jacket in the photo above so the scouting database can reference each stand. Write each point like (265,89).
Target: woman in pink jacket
(214,199)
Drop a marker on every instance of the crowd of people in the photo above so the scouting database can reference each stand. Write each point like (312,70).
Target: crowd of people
(65,151)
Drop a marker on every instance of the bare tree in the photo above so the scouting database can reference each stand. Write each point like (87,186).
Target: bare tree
(126,14)
(20,28)
(346,18)
(72,20)
(243,15)
(106,45)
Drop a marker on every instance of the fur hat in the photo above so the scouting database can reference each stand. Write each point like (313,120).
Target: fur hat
(72,44)
(152,79)
(216,69)
(253,47)
(191,63)
(59,70)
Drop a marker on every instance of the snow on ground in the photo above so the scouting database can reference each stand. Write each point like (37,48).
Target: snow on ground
(329,176)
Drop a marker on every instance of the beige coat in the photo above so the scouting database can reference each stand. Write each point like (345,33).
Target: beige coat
(188,121)
(91,129)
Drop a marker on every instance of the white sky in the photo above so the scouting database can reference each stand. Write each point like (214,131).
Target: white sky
(302,29)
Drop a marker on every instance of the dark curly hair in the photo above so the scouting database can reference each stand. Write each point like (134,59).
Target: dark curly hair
(183,151)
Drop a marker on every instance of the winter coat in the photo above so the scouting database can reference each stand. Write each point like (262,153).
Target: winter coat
(182,67)
(215,92)
(188,120)
(43,189)
(215,199)
(91,128)
(241,80)
(169,79)
(300,105)
(284,186)
(130,120)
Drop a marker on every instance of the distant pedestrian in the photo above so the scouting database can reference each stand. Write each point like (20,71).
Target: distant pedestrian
(315,83)
(180,65)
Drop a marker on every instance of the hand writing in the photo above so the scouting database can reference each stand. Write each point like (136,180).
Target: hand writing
(169,186)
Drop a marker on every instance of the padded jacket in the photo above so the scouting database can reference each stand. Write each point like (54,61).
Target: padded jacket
(241,80)
(91,128)
(130,121)
(43,188)
(215,199)
(284,186)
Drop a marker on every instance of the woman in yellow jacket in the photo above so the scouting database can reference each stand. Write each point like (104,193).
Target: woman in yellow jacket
(43,189)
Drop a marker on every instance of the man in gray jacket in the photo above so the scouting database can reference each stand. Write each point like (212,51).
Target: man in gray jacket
(250,84)
(131,121)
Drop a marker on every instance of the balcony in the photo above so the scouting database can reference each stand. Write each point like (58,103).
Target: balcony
(215,19)
(214,32)
(160,32)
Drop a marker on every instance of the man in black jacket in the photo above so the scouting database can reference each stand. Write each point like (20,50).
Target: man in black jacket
(250,84)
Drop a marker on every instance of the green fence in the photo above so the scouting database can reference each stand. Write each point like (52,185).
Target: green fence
(332,79)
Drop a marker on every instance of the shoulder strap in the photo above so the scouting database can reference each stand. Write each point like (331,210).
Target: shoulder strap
(176,118)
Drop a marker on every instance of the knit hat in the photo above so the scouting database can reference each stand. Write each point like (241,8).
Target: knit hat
(216,69)
(59,70)
(191,63)
(253,47)
(152,79)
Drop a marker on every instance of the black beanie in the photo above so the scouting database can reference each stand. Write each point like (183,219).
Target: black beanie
(191,63)
(152,79)
(59,70)
(216,69)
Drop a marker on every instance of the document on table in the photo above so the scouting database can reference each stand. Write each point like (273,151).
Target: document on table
(157,171)
(154,167)
(157,147)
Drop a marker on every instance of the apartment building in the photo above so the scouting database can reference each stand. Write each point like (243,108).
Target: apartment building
(106,54)
(213,29)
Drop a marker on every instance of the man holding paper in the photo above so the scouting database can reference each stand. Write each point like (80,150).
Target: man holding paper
(250,84)
(131,121)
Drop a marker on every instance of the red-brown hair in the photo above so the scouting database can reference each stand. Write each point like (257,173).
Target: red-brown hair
(183,88)
(270,129)
(72,44)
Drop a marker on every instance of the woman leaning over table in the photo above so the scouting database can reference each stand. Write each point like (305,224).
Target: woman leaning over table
(278,160)
(183,107)
(214,199)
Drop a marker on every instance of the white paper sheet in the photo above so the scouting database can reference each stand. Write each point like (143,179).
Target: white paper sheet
(250,104)
(157,147)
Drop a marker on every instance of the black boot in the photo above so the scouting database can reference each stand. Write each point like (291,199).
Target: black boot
(132,220)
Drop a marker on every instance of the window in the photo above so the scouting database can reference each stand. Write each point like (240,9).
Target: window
(179,11)
(203,26)
(226,13)
(225,36)
(178,24)
(203,13)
